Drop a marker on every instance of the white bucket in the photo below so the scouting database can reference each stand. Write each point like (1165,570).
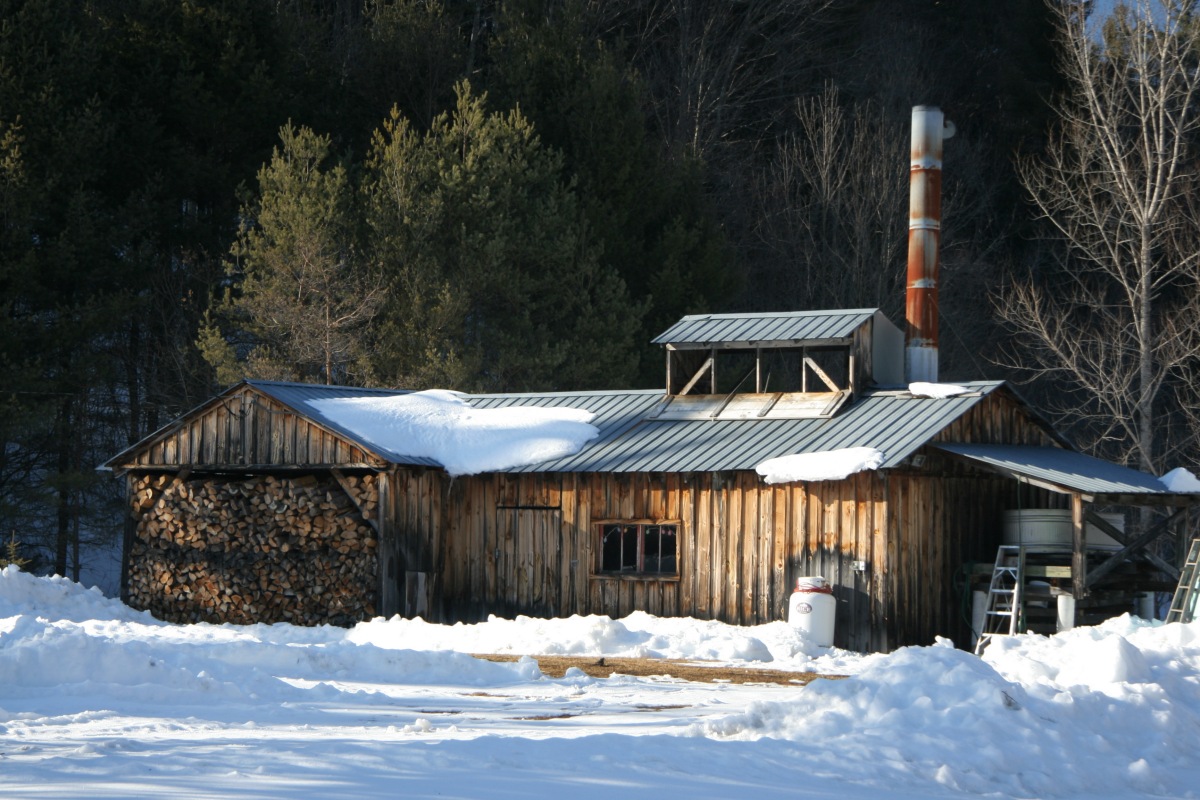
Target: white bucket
(813,610)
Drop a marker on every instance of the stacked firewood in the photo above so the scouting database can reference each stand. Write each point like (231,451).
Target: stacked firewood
(258,549)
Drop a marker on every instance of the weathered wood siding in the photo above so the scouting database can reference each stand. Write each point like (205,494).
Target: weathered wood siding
(249,430)
(526,544)
(998,419)
(938,525)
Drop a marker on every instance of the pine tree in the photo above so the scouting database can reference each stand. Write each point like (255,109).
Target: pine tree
(12,555)
(496,283)
(649,214)
(301,297)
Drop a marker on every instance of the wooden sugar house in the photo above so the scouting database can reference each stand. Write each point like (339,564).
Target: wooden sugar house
(258,506)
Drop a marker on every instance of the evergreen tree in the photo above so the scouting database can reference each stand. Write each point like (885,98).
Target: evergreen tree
(496,283)
(650,215)
(301,297)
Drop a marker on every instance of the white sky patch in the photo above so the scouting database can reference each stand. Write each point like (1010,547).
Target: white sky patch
(936,391)
(828,465)
(441,425)
(1181,480)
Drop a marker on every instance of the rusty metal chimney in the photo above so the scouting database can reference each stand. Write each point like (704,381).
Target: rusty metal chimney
(929,130)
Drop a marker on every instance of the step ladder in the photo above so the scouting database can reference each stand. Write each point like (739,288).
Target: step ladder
(1183,604)
(1003,615)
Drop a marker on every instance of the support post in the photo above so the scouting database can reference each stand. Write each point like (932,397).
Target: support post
(388,550)
(1182,539)
(1078,548)
(129,532)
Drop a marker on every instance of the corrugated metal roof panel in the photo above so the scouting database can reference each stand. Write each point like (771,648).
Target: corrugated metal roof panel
(1066,468)
(893,422)
(699,329)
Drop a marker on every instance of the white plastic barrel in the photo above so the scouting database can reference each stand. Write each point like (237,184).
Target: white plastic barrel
(812,609)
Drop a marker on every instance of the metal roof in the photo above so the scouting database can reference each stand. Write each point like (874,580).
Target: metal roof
(292,393)
(893,422)
(797,326)
(1066,469)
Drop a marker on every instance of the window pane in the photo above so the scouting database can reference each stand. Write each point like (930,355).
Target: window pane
(660,543)
(610,549)
(651,546)
(629,549)
(646,549)
(669,560)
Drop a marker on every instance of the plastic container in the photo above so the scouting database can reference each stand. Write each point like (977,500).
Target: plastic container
(813,610)
(1051,527)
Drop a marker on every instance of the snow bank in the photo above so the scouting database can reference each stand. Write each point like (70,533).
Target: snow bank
(59,598)
(639,635)
(936,391)
(1181,480)
(96,699)
(443,426)
(54,634)
(1093,712)
(828,465)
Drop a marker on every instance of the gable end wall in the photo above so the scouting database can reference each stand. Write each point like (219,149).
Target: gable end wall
(248,430)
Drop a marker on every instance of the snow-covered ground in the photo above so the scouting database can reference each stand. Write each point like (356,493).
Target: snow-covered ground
(99,701)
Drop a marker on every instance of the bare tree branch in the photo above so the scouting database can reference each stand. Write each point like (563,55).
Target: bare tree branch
(1119,324)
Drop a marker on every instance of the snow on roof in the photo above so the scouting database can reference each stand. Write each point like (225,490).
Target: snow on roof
(1181,480)
(827,465)
(936,391)
(465,440)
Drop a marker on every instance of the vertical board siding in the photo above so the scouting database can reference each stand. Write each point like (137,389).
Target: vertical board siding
(249,430)
(940,529)
(525,544)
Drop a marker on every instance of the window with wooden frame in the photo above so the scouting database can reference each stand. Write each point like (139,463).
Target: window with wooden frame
(642,549)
